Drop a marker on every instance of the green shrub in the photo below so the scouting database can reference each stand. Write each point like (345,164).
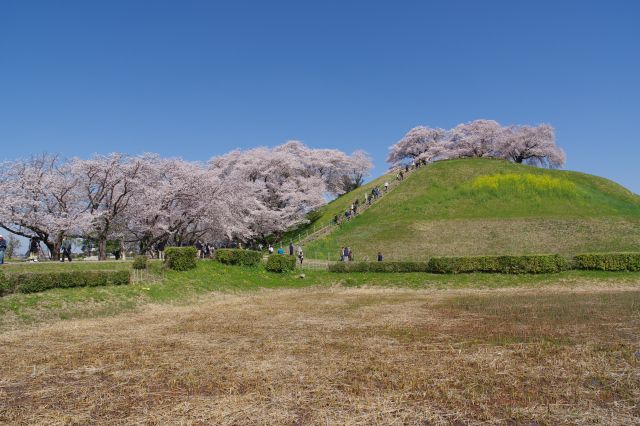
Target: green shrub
(4,284)
(608,261)
(527,264)
(378,267)
(140,262)
(32,282)
(280,263)
(239,257)
(180,258)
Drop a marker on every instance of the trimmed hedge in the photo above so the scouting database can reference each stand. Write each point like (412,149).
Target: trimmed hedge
(33,282)
(140,262)
(527,264)
(238,257)
(280,263)
(530,264)
(378,267)
(180,258)
(608,261)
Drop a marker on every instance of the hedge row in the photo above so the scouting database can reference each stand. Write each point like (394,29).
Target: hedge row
(280,263)
(32,282)
(379,267)
(238,257)
(527,264)
(180,258)
(608,261)
(530,264)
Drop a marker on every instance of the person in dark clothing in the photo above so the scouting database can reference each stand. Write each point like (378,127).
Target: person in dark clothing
(160,247)
(379,256)
(34,247)
(199,248)
(3,248)
(66,250)
(291,248)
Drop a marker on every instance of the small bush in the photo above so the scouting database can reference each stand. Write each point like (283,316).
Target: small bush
(180,258)
(608,261)
(4,284)
(378,267)
(140,262)
(528,264)
(280,263)
(32,282)
(238,257)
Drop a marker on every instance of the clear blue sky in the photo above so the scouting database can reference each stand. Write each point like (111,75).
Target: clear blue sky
(199,78)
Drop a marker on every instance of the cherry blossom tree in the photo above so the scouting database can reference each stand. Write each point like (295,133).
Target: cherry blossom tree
(479,138)
(420,142)
(185,201)
(39,198)
(532,145)
(282,185)
(109,184)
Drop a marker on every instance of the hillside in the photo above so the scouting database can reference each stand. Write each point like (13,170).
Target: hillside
(478,206)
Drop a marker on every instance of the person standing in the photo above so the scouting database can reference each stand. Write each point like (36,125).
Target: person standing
(66,249)
(270,249)
(350,254)
(3,248)
(280,250)
(199,248)
(379,256)
(301,256)
(160,247)
(291,248)
(386,186)
(34,246)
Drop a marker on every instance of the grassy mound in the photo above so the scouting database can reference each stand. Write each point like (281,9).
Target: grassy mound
(486,207)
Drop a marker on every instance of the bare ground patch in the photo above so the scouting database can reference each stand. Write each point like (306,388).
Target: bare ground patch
(337,356)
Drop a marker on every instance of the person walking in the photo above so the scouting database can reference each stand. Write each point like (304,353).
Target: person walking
(291,248)
(270,249)
(379,256)
(66,250)
(3,248)
(34,246)
(160,247)
(199,248)
(301,256)
(386,186)
(350,254)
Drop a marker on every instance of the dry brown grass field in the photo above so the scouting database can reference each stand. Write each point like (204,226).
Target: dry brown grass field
(551,355)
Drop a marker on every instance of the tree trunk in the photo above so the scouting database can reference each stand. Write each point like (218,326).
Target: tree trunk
(123,253)
(102,248)
(54,250)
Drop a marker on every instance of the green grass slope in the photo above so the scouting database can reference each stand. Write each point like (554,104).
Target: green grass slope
(478,206)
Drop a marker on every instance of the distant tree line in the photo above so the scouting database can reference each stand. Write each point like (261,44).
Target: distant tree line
(533,145)
(242,196)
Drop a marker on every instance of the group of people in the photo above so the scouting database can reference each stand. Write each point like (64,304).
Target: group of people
(292,251)
(408,167)
(205,250)
(352,211)
(346,254)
